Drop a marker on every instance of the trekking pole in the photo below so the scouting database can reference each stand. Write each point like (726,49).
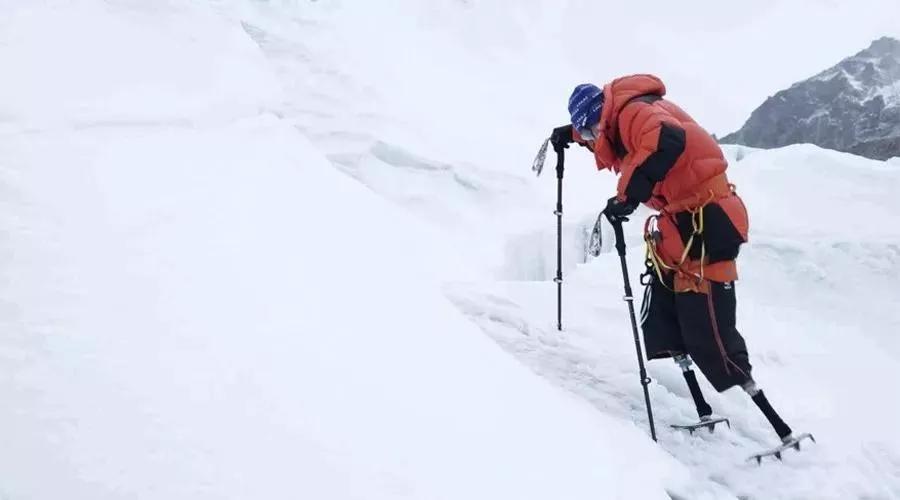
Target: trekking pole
(538,166)
(629,298)
(560,166)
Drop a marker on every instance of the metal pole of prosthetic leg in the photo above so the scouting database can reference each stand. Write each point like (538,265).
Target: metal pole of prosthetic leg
(762,402)
(629,298)
(703,408)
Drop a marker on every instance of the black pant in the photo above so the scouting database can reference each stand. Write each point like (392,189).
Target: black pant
(700,325)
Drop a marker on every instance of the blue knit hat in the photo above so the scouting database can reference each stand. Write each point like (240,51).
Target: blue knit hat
(585,105)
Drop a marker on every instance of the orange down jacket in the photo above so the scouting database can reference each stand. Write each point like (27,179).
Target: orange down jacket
(671,164)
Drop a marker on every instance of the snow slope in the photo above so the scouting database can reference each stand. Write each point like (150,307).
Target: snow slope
(196,304)
(814,304)
(248,247)
(512,228)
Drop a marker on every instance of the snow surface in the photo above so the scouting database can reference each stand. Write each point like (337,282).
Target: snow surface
(252,250)
(815,306)
(198,305)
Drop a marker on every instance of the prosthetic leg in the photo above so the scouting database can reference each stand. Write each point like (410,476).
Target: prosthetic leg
(704,411)
(759,398)
(788,439)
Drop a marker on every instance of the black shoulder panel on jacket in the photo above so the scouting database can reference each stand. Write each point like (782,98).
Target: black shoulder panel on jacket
(657,165)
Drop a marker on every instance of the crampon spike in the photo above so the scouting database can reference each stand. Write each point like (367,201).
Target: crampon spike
(790,443)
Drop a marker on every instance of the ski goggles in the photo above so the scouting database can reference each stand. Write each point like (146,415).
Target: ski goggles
(586,134)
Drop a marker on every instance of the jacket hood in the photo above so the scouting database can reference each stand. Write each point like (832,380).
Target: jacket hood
(617,94)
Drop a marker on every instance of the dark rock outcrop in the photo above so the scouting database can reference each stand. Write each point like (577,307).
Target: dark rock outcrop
(853,107)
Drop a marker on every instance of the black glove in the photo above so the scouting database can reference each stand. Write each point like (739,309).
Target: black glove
(561,137)
(616,209)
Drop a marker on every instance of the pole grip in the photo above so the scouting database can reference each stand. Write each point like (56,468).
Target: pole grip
(560,162)
(620,235)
